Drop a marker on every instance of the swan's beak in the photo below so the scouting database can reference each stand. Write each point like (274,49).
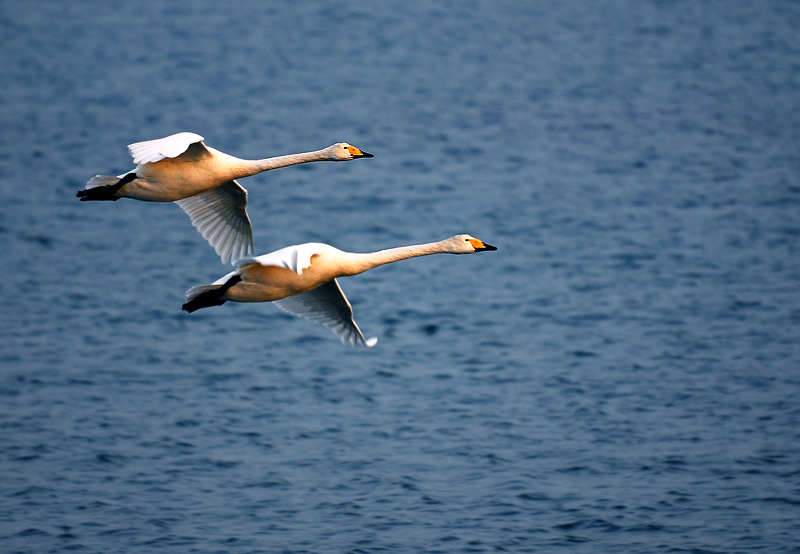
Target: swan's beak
(481,246)
(356,153)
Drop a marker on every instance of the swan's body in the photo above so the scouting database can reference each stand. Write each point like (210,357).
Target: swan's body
(301,280)
(202,180)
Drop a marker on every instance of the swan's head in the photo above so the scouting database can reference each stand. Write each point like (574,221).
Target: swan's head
(467,244)
(341,151)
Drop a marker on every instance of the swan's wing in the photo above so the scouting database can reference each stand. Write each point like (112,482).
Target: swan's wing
(220,215)
(297,257)
(172,146)
(328,306)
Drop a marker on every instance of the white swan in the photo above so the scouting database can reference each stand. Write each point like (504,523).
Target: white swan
(301,280)
(180,168)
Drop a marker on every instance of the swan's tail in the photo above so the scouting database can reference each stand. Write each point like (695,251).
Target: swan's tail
(205,296)
(101,181)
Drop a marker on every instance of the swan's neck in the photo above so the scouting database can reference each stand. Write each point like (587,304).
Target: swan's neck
(358,263)
(246,168)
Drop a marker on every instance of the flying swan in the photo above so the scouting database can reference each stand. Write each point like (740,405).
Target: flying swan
(301,280)
(180,168)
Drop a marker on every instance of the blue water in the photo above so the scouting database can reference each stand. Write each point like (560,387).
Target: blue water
(622,375)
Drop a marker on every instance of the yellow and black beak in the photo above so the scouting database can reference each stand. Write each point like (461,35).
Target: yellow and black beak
(481,246)
(356,153)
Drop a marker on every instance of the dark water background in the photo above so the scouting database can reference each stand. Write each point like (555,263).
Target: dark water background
(621,376)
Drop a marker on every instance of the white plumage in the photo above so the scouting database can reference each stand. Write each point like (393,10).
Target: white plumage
(151,151)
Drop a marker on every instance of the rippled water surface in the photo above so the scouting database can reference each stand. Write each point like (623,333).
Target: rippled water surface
(622,375)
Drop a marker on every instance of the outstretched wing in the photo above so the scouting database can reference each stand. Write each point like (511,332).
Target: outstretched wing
(220,215)
(328,306)
(151,151)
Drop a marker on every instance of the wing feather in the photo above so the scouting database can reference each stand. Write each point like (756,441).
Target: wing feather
(328,306)
(297,257)
(151,151)
(220,215)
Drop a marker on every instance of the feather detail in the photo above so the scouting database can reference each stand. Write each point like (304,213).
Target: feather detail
(151,151)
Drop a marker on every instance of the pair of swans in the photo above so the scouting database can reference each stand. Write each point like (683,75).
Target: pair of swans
(299,279)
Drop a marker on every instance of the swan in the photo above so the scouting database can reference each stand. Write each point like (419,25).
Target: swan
(180,168)
(301,280)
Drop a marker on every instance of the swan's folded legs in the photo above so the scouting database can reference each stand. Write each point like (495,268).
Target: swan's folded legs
(105,192)
(212,297)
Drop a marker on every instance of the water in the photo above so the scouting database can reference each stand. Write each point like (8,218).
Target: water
(621,376)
